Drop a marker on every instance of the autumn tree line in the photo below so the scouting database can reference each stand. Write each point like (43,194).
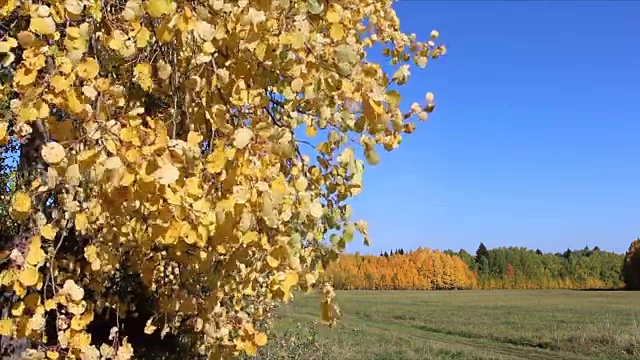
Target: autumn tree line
(497,268)
(421,269)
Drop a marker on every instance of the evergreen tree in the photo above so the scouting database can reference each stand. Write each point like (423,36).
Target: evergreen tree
(481,252)
(631,266)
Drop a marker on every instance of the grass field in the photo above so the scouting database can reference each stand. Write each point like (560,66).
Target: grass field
(515,324)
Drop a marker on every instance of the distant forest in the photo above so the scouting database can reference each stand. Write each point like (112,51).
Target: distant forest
(498,268)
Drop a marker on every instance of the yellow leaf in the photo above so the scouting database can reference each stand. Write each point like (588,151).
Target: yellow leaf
(216,162)
(429,97)
(81,222)
(172,234)
(301,184)
(310,279)
(376,106)
(186,21)
(273,262)
(25,76)
(113,163)
(142,37)
(164,32)
(394,97)
(27,114)
(142,75)
(297,84)
(34,242)
(242,138)
(42,109)
(60,83)
(28,276)
(87,159)
(74,104)
(3,132)
(149,328)
(35,256)
(164,70)
(48,231)
(6,46)
(50,304)
(80,322)
(316,210)
(260,50)
(21,202)
(332,15)
(88,69)
(18,308)
(372,157)
(311,131)
(298,40)
(205,30)
(6,327)
(42,25)
(250,349)
(249,237)
(315,6)
(52,152)
(74,6)
(80,340)
(260,339)
(278,185)
(194,139)
(401,76)
(189,235)
(75,292)
(133,156)
(116,40)
(130,134)
(336,31)
(345,54)
(290,279)
(157,8)
(91,253)
(166,174)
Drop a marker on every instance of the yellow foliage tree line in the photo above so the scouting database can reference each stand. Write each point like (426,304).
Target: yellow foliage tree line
(499,268)
(422,269)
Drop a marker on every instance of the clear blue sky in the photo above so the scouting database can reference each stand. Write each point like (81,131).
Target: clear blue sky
(535,137)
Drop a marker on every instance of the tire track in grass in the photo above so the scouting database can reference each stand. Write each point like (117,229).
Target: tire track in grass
(481,346)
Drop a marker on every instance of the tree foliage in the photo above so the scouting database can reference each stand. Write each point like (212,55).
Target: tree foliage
(422,269)
(631,269)
(522,268)
(498,268)
(161,186)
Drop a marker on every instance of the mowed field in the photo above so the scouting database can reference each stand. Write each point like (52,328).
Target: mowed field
(500,324)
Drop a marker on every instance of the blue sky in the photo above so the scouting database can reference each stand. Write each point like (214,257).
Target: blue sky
(534,141)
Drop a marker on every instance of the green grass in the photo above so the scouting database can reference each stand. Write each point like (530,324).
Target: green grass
(500,324)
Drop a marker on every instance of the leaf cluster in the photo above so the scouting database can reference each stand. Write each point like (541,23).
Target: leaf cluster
(159,155)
